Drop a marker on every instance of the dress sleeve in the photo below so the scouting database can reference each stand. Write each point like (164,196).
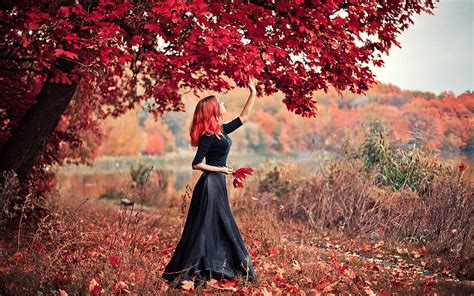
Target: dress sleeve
(205,143)
(232,125)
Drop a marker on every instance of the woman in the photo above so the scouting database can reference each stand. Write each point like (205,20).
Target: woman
(211,245)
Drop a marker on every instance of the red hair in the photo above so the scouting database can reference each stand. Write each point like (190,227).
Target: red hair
(205,119)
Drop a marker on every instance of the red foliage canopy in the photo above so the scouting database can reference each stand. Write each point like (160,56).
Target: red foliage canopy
(126,51)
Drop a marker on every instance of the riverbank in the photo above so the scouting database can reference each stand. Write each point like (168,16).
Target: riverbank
(177,161)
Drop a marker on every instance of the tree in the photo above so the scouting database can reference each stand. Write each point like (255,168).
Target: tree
(159,138)
(122,136)
(423,120)
(99,58)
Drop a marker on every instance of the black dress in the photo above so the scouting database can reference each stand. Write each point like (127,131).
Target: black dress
(211,245)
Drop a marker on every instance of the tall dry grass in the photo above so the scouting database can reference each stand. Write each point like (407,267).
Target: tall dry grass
(379,189)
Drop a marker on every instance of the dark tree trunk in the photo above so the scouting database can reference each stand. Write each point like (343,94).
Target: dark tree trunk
(27,141)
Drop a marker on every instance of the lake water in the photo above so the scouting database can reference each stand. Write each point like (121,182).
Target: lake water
(170,174)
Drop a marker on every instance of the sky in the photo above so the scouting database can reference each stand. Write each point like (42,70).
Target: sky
(436,52)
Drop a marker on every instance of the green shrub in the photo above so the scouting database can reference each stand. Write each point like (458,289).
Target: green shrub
(396,167)
(140,174)
(274,182)
(113,195)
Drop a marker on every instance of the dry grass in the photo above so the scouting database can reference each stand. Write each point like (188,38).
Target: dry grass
(336,231)
(125,251)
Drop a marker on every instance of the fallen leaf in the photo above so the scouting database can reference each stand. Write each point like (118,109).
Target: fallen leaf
(369,291)
(257,243)
(296,265)
(350,273)
(280,271)
(423,250)
(266,292)
(274,250)
(187,285)
(17,256)
(342,267)
(114,261)
(4,268)
(416,255)
(330,287)
(379,244)
(94,287)
(121,287)
(366,247)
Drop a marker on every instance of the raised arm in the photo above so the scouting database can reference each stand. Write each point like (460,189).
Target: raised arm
(244,115)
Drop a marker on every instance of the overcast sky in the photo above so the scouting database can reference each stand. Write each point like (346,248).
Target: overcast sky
(437,51)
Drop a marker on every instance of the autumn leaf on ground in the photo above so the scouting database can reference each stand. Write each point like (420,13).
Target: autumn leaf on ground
(257,243)
(59,277)
(274,250)
(17,256)
(187,285)
(114,261)
(266,292)
(121,287)
(297,266)
(342,268)
(423,250)
(229,283)
(366,247)
(369,291)
(94,287)
(350,273)
(223,285)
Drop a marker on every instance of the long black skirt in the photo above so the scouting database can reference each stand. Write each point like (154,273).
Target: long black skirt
(211,245)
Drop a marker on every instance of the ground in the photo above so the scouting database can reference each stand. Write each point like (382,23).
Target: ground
(102,247)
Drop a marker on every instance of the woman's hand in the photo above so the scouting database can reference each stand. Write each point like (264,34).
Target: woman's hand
(227,170)
(252,85)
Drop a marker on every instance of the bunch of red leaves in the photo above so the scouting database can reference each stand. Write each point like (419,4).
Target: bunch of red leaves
(240,175)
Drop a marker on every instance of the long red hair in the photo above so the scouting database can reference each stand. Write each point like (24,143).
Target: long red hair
(205,119)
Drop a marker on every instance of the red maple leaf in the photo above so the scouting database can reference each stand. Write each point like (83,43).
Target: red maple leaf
(229,283)
(114,261)
(58,52)
(274,250)
(423,250)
